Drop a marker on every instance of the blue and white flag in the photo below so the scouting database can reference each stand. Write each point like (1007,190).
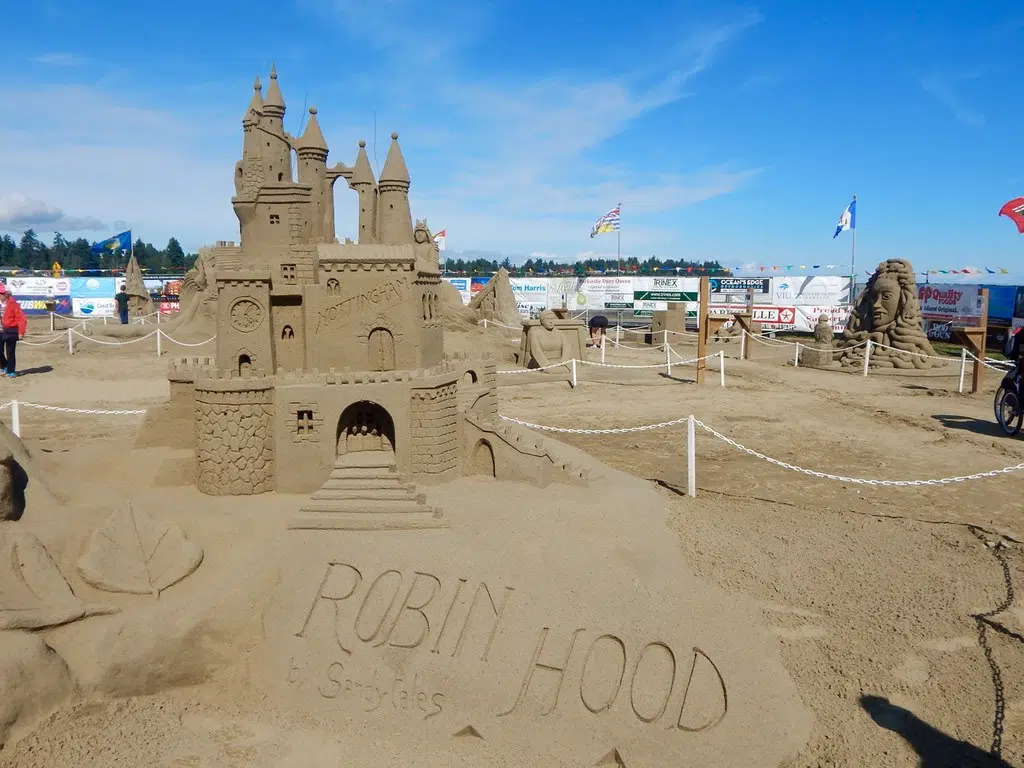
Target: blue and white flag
(848,220)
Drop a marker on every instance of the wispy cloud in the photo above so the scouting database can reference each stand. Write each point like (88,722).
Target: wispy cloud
(59,59)
(19,213)
(943,88)
(140,165)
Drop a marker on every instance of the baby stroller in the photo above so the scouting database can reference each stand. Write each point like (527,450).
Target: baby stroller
(1009,402)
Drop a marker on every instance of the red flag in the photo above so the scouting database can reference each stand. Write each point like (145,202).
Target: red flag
(1014,211)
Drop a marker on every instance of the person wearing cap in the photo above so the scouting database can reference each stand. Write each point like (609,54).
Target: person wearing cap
(14,326)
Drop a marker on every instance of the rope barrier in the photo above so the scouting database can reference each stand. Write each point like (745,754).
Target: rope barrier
(744,449)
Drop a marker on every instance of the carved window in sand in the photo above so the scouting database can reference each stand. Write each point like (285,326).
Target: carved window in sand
(287,332)
(333,287)
(288,273)
(275,218)
(307,422)
(381,350)
(365,426)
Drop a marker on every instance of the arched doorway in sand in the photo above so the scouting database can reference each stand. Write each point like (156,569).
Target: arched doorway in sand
(365,426)
(482,459)
(381,348)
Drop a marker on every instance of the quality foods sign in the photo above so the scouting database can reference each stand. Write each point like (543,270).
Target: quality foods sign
(950,302)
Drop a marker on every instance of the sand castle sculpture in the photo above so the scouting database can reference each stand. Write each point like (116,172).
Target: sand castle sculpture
(888,313)
(818,354)
(140,302)
(330,376)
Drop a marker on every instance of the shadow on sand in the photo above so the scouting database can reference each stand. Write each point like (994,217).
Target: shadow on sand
(37,369)
(934,748)
(969,424)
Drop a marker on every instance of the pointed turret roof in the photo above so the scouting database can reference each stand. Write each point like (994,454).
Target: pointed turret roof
(362,173)
(312,137)
(274,98)
(256,104)
(394,165)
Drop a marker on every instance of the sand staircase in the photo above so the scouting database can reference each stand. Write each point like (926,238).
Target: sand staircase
(365,491)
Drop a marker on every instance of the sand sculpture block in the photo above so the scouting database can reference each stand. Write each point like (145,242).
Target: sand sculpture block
(818,354)
(496,301)
(548,341)
(495,631)
(888,312)
(672,320)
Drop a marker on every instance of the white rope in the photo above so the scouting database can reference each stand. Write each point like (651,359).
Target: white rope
(618,431)
(186,344)
(61,409)
(859,480)
(540,368)
(115,343)
(769,459)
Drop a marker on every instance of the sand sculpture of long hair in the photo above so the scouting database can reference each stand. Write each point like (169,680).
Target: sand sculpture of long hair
(899,343)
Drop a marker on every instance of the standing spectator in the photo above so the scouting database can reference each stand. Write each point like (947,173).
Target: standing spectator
(14,324)
(122,304)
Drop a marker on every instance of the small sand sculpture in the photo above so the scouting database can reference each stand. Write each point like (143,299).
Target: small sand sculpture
(548,341)
(818,354)
(496,301)
(888,313)
(140,303)
(133,553)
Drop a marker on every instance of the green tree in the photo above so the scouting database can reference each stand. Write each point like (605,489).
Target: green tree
(175,255)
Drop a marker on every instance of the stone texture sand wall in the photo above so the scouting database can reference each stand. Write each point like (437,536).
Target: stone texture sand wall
(435,433)
(234,437)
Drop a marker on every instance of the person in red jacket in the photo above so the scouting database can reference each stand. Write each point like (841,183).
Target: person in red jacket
(14,326)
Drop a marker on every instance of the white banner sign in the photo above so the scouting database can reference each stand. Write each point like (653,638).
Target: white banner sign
(39,286)
(821,291)
(601,293)
(531,293)
(94,307)
(795,319)
(950,302)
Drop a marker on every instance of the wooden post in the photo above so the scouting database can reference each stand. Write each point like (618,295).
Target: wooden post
(703,311)
(974,338)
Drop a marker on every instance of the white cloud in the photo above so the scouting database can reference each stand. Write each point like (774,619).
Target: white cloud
(18,213)
(80,149)
(59,59)
(943,89)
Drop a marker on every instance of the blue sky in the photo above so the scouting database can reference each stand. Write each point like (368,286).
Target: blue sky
(731,132)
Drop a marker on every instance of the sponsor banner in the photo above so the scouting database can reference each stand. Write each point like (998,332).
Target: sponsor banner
(596,293)
(477,284)
(167,307)
(39,286)
(530,293)
(661,295)
(950,303)
(462,285)
(818,290)
(164,288)
(93,287)
(760,285)
(36,305)
(795,319)
(94,307)
(938,330)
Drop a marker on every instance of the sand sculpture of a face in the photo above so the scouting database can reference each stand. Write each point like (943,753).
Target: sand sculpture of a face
(547,319)
(823,331)
(889,314)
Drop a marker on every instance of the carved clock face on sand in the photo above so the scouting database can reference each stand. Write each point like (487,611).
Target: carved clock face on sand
(246,315)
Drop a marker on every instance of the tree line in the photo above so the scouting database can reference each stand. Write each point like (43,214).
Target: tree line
(31,253)
(631,266)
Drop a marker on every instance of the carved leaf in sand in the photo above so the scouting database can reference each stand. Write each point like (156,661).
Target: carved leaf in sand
(134,553)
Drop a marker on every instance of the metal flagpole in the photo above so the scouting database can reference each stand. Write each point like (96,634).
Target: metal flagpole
(618,240)
(853,255)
